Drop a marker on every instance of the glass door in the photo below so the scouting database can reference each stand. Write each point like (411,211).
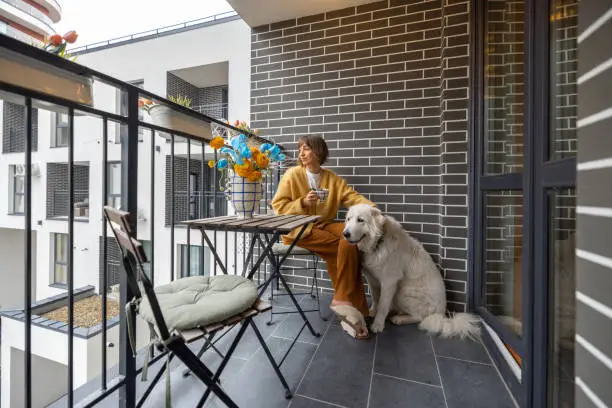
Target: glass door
(524,193)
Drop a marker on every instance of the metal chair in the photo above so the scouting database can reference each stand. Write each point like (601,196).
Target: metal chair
(278,250)
(167,338)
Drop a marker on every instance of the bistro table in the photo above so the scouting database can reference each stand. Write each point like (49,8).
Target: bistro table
(265,229)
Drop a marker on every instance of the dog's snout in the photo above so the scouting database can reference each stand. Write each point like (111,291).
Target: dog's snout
(346,233)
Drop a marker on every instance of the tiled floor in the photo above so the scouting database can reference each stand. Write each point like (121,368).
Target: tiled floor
(401,367)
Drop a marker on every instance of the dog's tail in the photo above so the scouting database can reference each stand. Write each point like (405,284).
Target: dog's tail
(460,325)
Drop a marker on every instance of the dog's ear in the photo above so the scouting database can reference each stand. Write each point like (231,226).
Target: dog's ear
(377,216)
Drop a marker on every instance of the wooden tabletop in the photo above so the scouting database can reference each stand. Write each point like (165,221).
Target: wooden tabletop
(267,223)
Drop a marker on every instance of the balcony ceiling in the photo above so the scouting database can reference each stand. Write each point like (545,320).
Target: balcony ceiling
(261,12)
(204,75)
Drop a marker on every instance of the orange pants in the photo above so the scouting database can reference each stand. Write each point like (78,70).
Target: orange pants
(342,260)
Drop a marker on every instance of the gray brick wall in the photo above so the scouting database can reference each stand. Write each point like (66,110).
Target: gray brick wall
(212,101)
(14,128)
(176,87)
(58,187)
(386,84)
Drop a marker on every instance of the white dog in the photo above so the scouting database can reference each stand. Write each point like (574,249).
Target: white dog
(403,278)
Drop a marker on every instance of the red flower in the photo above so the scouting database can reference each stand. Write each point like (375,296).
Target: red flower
(71,37)
(55,39)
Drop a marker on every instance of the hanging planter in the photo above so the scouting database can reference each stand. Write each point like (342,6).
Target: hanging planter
(35,75)
(167,117)
(245,195)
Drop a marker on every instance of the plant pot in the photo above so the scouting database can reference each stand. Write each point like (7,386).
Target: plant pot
(36,75)
(165,116)
(245,195)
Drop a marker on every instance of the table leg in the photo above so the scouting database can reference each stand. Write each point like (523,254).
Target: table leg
(213,249)
(280,276)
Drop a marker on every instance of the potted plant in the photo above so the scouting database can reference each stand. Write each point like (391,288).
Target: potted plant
(33,74)
(246,167)
(167,117)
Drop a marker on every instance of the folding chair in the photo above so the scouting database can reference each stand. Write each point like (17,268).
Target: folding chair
(176,319)
(278,250)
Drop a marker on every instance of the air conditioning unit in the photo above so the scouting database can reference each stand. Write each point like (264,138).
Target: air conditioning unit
(20,170)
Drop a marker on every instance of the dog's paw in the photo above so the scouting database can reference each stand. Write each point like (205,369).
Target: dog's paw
(377,327)
(372,311)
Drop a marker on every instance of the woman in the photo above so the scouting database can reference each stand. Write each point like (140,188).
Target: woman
(313,190)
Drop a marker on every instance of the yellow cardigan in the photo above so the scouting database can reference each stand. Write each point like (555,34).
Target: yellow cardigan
(294,186)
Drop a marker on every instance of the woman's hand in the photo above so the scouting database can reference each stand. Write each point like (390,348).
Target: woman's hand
(310,199)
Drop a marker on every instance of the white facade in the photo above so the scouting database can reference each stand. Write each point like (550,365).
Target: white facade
(148,61)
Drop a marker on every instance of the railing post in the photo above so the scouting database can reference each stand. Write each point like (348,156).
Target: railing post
(129,203)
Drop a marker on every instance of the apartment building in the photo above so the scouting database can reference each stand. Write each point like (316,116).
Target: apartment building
(29,21)
(215,76)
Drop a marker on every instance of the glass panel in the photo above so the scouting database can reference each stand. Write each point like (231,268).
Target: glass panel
(562,287)
(563,73)
(19,205)
(503,87)
(503,256)
(19,184)
(61,274)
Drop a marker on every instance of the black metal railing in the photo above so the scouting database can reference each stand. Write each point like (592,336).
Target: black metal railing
(32,95)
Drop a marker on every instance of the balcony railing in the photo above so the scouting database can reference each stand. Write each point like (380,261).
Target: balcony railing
(216,110)
(153,33)
(138,159)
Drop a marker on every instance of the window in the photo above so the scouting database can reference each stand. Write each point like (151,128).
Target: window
(17,189)
(193,196)
(113,180)
(146,245)
(192,261)
(60,259)
(3,27)
(61,129)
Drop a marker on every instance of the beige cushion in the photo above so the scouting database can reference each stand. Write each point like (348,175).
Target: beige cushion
(281,249)
(198,301)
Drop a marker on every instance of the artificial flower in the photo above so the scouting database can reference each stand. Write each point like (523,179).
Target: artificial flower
(233,154)
(255,131)
(221,164)
(265,147)
(56,40)
(211,163)
(71,37)
(244,151)
(254,176)
(262,161)
(217,142)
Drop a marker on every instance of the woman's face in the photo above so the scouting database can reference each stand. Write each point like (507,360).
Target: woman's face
(307,157)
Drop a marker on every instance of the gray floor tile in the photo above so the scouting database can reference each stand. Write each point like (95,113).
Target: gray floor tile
(406,352)
(257,385)
(466,349)
(302,402)
(473,385)
(293,323)
(390,392)
(341,370)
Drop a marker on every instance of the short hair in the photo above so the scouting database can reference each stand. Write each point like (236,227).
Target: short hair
(317,144)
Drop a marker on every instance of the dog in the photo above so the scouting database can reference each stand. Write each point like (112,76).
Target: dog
(404,280)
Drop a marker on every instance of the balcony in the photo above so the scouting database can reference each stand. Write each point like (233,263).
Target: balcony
(402,364)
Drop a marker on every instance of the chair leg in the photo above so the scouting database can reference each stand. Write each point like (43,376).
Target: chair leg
(200,370)
(276,272)
(226,359)
(271,358)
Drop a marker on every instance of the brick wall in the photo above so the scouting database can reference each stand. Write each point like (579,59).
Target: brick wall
(176,87)
(14,128)
(212,101)
(386,84)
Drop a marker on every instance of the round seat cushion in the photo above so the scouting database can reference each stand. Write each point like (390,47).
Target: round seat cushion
(198,301)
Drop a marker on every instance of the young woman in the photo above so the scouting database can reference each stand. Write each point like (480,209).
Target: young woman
(313,190)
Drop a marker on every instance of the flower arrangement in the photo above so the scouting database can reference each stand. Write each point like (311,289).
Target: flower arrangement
(242,125)
(56,44)
(250,163)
